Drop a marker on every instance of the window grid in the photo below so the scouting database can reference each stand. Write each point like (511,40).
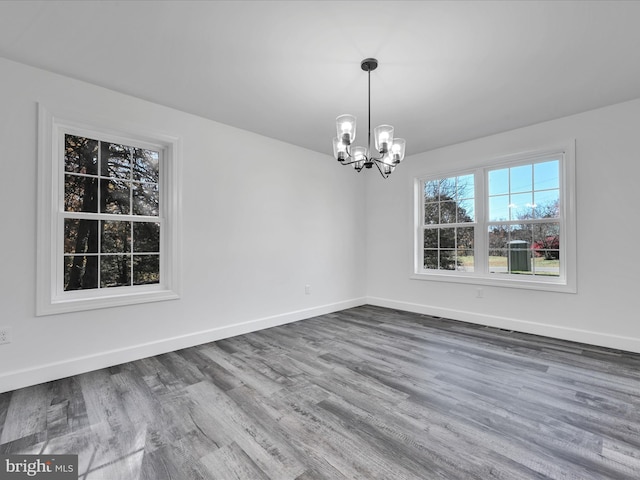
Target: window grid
(525,239)
(448,226)
(96,256)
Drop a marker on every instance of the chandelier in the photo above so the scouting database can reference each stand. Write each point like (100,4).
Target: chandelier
(389,149)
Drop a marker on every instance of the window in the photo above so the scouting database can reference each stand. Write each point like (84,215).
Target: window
(511,223)
(107,228)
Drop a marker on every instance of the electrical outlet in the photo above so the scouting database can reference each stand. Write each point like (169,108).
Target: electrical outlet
(479,293)
(307,289)
(5,335)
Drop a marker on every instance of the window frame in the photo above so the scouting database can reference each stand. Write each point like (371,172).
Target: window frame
(50,295)
(565,282)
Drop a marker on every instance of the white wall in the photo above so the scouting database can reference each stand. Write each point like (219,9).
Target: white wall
(261,219)
(265,218)
(605,309)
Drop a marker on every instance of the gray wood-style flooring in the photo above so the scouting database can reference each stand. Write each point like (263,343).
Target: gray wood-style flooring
(364,393)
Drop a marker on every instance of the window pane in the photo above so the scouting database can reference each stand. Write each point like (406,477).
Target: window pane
(447,238)
(466,263)
(116,196)
(547,204)
(431,191)
(146,237)
(546,240)
(115,271)
(80,194)
(498,238)
(466,211)
(80,155)
(116,237)
(499,182)
(464,240)
(519,254)
(546,267)
(546,249)
(116,161)
(80,236)
(522,233)
(466,187)
(146,269)
(145,165)
(521,206)
(521,179)
(431,238)
(447,189)
(80,272)
(498,261)
(145,199)
(499,208)
(431,213)
(448,260)
(464,244)
(431,259)
(546,175)
(448,212)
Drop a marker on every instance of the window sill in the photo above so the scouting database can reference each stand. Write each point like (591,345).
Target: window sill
(81,302)
(549,284)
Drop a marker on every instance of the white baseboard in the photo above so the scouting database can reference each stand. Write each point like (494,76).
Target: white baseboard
(629,344)
(53,371)
(74,366)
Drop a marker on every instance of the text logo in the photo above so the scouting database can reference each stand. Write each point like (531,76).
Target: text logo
(49,467)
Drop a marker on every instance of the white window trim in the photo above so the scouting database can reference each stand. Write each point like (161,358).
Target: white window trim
(565,283)
(50,299)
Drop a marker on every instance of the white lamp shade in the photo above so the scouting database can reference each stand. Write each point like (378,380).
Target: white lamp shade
(397,150)
(383,135)
(346,128)
(359,154)
(339,149)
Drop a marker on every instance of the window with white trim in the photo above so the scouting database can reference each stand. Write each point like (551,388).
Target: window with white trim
(509,223)
(107,219)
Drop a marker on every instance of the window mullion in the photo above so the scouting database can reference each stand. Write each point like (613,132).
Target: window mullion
(480,237)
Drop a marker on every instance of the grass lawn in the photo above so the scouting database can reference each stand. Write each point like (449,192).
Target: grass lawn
(542,266)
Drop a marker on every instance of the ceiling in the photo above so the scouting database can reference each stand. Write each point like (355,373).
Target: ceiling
(448,71)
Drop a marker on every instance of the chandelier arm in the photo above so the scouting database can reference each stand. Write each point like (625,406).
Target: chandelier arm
(348,162)
(385,176)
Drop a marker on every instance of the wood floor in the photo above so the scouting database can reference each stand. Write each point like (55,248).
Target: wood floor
(364,393)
